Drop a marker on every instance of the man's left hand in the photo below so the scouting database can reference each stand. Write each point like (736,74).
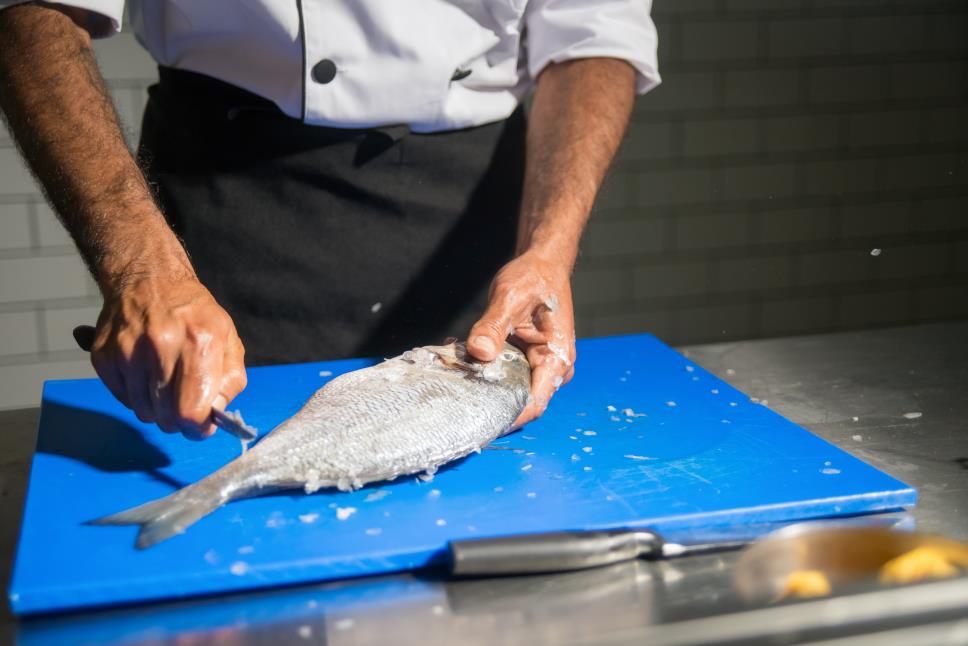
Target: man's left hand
(530,300)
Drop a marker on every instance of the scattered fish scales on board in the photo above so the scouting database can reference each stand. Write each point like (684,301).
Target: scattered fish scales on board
(342,513)
(379,494)
(405,416)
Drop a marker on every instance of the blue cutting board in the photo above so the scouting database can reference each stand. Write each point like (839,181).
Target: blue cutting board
(641,437)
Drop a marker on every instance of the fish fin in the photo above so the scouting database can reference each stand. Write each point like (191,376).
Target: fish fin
(449,360)
(463,366)
(163,518)
(453,355)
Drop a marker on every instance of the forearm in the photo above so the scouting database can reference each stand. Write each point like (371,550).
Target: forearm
(578,117)
(60,112)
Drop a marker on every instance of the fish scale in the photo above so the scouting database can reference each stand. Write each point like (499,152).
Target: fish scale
(408,415)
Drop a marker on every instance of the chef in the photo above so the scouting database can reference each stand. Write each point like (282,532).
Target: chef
(321,179)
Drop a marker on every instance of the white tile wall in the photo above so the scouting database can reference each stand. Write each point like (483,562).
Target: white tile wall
(15,179)
(15,226)
(20,333)
(42,278)
(50,232)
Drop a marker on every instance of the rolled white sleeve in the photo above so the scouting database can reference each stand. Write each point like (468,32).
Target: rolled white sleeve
(108,13)
(562,30)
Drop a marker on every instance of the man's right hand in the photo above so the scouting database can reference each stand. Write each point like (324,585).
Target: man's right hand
(169,352)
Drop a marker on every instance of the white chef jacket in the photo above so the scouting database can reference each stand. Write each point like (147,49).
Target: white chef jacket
(431,64)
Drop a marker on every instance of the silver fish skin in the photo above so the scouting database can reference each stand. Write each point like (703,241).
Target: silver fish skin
(410,414)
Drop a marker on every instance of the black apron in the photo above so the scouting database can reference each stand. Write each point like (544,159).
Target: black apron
(324,243)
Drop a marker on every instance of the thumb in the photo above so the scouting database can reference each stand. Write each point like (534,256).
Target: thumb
(486,338)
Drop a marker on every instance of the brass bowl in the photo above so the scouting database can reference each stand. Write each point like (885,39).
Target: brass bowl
(846,555)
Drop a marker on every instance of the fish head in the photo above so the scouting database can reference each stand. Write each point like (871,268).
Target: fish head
(510,368)
(514,364)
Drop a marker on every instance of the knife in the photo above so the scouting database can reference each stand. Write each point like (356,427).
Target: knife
(567,551)
(229,422)
(577,550)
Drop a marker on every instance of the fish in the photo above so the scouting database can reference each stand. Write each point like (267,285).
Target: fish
(410,414)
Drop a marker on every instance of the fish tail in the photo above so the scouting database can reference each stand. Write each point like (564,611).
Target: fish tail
(163,518)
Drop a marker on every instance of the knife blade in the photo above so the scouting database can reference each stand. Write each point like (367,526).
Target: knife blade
(567,551)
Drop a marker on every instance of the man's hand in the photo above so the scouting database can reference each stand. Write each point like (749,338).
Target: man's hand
(530,300)
(170,353)
(577,119)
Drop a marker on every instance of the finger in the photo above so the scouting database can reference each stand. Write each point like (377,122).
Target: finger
(540,329)
(219,403)
(196,384)
(234,378)
(106,367)
(530,335)
(135,370)
(561,340)
(487,336)
(547,374)
(543,318)
(564,351)
(529,414)
(136,385)
(106,362)
(545,381)
(160,388)
(569,374)
(165,342)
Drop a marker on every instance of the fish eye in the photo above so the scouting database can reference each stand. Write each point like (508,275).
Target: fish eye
(508,356)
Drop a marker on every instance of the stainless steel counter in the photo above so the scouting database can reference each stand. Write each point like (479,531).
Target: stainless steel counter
(897,398)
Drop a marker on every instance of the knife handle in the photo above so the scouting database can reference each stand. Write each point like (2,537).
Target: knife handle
(551,551)
(84,335)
